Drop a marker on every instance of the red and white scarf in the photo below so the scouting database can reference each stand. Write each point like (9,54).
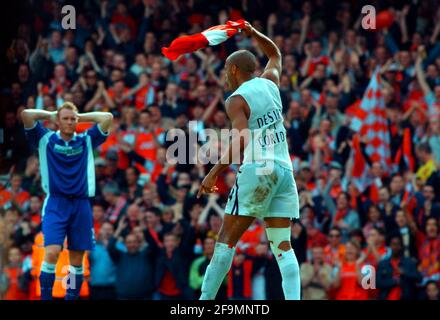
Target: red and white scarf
(210,37)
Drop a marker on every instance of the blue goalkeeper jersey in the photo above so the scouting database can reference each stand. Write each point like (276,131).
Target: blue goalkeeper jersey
(67,167)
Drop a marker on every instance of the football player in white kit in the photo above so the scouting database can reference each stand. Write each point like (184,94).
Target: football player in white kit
(265,187)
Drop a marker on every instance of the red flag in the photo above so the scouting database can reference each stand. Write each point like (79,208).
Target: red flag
(210,37)
(370,120)
(397,159)
(407,152)
(374,193)
(352,109)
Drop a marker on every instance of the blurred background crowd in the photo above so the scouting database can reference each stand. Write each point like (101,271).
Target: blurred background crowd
(154,238)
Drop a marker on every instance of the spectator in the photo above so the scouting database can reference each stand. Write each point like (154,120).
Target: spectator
(424,153)
(214,224)
(102,269)
(198,268)
(11,218)
(342,216)
(407,229)
(98,217)
(34,213)
(334,252)
(150,198)
(373,220)
(172,270)
(314,57)
(433,138)
(429,252)
(133,189)
(316,276)
(155,228)
(134,268)
(348,278)
(397,190)
(376,249)
(117,204)
(427,207)
(14,277)
(432,291)
(31,176)
(15,194)
(299,240)
(387,209)
(56,47)
(357,236)
(374,252)
(397,275)
(24,234)
(297,123)
(331,112)
(243,268)
(131,219)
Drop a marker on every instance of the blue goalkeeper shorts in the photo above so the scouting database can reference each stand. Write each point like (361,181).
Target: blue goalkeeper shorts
(68,217)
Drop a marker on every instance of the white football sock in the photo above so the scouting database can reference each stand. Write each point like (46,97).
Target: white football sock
(216,271)
(289,269)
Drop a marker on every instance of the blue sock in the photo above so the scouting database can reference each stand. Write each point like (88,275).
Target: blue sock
(47,278)
(74,283)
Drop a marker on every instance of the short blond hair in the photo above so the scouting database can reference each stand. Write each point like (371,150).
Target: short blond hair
(67,105)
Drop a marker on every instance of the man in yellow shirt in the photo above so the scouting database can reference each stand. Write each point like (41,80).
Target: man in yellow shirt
(424,153)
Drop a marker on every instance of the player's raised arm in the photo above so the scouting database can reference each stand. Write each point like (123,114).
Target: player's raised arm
(270,49)
(29,116)
(103,119)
